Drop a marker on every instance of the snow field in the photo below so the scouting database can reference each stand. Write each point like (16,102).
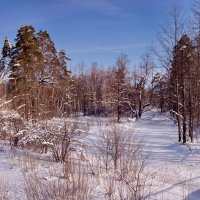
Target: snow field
(172,169)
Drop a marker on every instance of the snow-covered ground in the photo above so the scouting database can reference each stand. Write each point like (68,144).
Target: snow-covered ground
(175,168)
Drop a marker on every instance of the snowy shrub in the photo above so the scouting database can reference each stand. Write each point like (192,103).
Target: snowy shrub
(60,139)
(53,184)
(11,126)
(125,174)
(37,134)
(117,144)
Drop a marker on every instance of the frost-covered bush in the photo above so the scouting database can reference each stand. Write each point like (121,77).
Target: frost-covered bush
(54,184)
(59,138)
(11,126)
(117,146)
(124,164)
(37,134)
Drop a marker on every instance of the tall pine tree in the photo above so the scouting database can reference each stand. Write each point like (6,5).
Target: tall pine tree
(181,81)
(56,76)
(27,67)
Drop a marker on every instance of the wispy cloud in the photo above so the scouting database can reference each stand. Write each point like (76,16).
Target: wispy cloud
(109,49)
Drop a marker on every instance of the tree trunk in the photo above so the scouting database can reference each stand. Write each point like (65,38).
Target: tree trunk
(184,115)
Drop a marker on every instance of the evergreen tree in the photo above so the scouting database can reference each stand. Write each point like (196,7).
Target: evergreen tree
(56,79)
(27,67)
(181,81)
(7,48)
(49,79)
(65,82)
(5,71)
(64,73)
(48,50)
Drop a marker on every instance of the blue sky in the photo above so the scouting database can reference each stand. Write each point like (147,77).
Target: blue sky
(91,30)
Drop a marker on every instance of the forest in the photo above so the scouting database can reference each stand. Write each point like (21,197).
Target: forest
(37,83)
(94,125)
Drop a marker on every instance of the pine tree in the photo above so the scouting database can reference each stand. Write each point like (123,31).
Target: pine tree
(5,71)
(56,78)
(27,67)
(48,50)
(7,48)
(181,81)
(49,80)
(63,71)
(65,82)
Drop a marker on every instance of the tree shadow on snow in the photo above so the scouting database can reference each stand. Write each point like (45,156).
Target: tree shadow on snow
(195,195)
